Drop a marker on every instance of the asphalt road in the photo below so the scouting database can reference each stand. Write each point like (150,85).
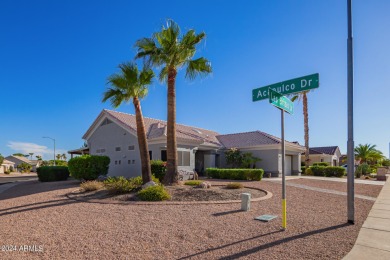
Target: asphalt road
(4,180)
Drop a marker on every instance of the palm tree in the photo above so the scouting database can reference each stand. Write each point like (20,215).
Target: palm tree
(63,156)
(172,51)
(39,157)
(58,157)
(367,153)
(31,154)
(303,96)
(132,84)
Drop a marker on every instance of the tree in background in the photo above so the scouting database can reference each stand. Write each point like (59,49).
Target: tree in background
(31,154)
(235,159)
(131,84)
(1,159)
(39,157)
(368,153)
(172,51)
(20,154)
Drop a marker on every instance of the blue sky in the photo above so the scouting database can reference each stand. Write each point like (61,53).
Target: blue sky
(55,57)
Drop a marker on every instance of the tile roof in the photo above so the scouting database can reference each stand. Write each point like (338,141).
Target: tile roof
(157,128)
(21,158)
(248,139)
(5,161)
(323,150)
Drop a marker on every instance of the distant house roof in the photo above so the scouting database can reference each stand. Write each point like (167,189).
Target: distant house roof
(21,158)
(323,150)
(7,162)
(156,129)
(248,139)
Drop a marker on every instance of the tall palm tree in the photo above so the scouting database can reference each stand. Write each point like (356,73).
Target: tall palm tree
(131,84)
(63,156)
(367,153)
(172,51)
(303,96)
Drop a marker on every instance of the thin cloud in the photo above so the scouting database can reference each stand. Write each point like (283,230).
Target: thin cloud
(26,148)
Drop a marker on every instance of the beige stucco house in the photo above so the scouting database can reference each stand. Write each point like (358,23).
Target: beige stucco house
(114,134)
(20,159)
(329,154)
(6,166)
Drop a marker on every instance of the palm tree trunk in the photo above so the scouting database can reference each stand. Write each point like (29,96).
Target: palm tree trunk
(306,129)
(171,177)
(142,142)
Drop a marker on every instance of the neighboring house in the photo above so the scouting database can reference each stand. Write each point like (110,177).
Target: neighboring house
(329,154)
(20,159)
(114,134)
(6,166)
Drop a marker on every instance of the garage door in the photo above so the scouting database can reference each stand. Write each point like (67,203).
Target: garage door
(288,166)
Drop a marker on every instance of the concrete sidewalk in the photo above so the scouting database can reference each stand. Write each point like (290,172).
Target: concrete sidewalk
(370,182)
(373,241)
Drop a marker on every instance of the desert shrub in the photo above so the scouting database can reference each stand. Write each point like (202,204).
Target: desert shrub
(235,174)
(318,170)
(154,193)
(158,168)
(234,185)
(120,185)
(24,167)
(309,172)
(320,164)
(52,173)
(193,183)
(91,185)
(334,171)
(364,169)
(88,167)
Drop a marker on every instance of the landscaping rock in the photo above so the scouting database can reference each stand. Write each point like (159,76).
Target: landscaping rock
(148,184)
(205,185)
(102,178)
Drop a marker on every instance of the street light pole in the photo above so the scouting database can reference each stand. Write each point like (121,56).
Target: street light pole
(54,154)
(350,143)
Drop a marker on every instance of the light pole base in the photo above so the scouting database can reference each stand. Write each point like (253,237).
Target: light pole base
(351,222)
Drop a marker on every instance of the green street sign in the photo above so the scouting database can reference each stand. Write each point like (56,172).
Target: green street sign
(280,101)
(287,87)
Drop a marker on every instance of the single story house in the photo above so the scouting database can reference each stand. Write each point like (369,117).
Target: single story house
(17,160)
(114,134)
(6,166)
(329,154)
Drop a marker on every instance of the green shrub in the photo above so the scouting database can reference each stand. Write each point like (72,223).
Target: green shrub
(318,170)
(158,168)
(91,185)
(320,164)
(364,169)
(88,167)
(386,162)
(334,171)
(53,173)
(234,185)
(154,193)
(303,169)
(120,185)
(193,183)
(309,172)
(235,174)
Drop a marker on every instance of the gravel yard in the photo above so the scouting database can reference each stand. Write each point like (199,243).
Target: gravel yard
(40,215)
(361,189)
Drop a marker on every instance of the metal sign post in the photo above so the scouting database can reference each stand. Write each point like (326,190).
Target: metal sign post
(284,202)
(275,93)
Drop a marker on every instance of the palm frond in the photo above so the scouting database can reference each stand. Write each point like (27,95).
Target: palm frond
(146,76)
(163,74)
(199,67)
(115,96)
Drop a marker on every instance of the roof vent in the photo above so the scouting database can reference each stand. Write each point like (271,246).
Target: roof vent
(196,130)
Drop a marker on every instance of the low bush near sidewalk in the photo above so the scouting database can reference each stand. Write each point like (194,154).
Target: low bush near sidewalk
(88,167)
(333,171)
(52,173)
(235,174)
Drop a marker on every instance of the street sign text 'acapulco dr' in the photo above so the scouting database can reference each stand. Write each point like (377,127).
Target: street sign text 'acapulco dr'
(287,87)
